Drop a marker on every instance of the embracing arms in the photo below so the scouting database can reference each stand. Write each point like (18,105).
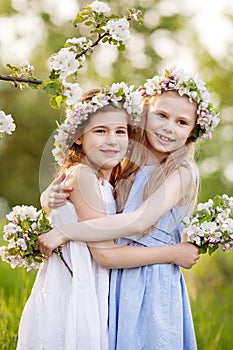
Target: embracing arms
(104,228)
(171,193)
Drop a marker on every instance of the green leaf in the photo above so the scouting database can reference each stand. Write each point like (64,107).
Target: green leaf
(140,20)
(121,47)
(34,86)
(203,249)
(56,101)
(112,16)
(52,87)
(53,74)
(25,225)
(105,39)
(81,17)
(205,218)
(13,68)
(212,249)
(120,92)
(218,201)
(89,23)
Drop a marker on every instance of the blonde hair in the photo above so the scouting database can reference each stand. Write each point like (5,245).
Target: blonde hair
(174,161)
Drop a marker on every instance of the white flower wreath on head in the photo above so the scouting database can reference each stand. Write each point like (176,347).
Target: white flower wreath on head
(176,79)
(119,95)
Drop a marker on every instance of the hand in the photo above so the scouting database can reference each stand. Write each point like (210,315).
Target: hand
(186,254)
(50,240)
(56,194)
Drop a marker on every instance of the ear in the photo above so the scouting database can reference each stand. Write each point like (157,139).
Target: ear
(78,142)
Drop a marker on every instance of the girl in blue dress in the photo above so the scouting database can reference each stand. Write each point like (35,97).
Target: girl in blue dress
(148,306)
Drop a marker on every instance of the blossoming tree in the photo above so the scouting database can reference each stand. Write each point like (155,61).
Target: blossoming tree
(64,65)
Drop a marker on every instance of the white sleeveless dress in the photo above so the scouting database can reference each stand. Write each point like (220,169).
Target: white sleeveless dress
(64,312)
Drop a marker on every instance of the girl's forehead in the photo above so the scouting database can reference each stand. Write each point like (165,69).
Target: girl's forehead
(114,117)
(171,100)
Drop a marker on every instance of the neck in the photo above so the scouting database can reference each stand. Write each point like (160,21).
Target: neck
(154,158)
(105,174)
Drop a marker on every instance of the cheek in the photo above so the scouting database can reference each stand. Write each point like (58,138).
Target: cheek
(125,144)
(151,124)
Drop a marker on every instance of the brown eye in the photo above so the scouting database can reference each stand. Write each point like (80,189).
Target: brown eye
(182,122)
(122,131)
(159,115)
(100,131)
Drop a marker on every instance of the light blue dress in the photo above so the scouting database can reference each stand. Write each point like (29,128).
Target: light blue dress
(149,306)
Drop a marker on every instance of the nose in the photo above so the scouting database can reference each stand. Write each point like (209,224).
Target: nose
(168,127)
(111,138)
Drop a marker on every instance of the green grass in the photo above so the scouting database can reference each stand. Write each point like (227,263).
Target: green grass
(210,289)
(15,286)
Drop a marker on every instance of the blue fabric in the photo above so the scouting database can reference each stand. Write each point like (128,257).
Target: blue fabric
(149,306)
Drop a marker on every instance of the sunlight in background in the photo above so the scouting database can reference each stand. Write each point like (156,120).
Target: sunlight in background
(214,28)
(22,32)
(19,34)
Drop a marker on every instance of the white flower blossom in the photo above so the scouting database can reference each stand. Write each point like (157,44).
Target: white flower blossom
(22,213)
(133,103)
(117,86)
(83,43)
(25,224)
(64,62)
(205,206)
(227,225)
(11,228)
(100,100)
(26,67)
(7,124)
(211,225)
(99,7)
(208,227)
(119,29)
(21,244)
(73,92)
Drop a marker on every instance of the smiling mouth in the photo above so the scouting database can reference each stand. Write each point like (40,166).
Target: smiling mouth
(110,152)
(164,138)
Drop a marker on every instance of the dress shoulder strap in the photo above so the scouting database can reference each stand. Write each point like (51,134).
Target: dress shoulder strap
(71,169)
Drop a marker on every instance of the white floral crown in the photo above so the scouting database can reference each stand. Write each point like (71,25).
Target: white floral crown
(119,95)
(194,88)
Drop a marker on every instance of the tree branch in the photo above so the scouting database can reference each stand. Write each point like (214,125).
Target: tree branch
(100,37)
(16,80)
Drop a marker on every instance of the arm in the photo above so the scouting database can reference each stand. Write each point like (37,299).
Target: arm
(108,256)
(86,193)
(121,224)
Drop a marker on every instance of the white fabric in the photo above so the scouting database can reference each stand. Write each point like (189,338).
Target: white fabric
(64,312)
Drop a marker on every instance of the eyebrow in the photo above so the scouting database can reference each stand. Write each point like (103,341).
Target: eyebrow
(106,126)
(163,111)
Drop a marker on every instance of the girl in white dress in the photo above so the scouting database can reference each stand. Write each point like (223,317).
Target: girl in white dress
(68,310)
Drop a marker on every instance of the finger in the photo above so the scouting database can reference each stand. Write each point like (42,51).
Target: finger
(56,201)
(59,179)
(61,188)
(59,196)
(44,250)
(55,205)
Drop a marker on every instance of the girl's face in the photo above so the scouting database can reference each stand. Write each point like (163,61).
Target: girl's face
(105,140)
(171,120)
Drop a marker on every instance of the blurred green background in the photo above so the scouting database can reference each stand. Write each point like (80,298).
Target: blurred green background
(195,35)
